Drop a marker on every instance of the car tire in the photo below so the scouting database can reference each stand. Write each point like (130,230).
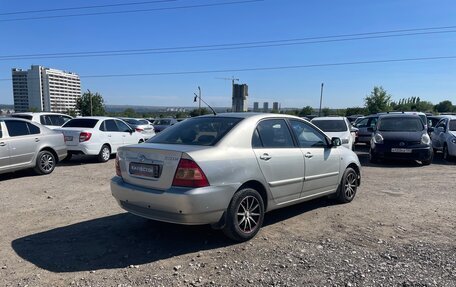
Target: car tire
(372,157)
(244,216)
(429,160)
(348,186)
(45,162)
(105,153)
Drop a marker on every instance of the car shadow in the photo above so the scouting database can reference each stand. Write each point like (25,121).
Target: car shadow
(81,159)
(18,174)
(122,240)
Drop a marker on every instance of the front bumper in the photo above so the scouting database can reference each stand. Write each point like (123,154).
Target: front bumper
(175,205)
(417,153)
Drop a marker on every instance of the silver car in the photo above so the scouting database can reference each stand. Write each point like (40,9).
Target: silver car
(141,126)
(443,136)
(227,170)
(25,144)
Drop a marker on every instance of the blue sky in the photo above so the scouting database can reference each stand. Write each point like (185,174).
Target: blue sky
(345,85)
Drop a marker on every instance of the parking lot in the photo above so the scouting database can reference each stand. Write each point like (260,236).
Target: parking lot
(65,229)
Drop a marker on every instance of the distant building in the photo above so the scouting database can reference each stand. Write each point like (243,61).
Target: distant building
(256,107)
(265,107)
(240,94)
(45,89)
(275,106)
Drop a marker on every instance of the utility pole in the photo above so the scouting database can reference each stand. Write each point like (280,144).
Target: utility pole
(199,102)
(321,98)
(90,97)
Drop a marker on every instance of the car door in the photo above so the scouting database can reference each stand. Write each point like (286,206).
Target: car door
(438,134)
(4,148)
(23,143)
(280,160)
(113,134)
(128,135)
(321,161)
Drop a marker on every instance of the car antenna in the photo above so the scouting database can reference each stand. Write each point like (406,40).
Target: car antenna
(198,96)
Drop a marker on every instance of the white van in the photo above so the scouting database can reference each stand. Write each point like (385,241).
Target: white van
(48,119)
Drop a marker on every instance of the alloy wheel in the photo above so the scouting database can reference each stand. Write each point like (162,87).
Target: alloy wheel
(106,154)
(248,214)
(350,185)
(46,162)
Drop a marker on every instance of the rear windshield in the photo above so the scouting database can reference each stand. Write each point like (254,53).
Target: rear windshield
(331,125)
(396,124)
(205,131)
(80,123)
(26,117)
(143,122)
(452,125)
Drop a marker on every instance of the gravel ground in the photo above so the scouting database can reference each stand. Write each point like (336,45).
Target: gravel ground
(65,229)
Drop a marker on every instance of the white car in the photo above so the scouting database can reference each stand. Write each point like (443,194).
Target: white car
(100,136)
(443,137)
(338,127)
(47,119)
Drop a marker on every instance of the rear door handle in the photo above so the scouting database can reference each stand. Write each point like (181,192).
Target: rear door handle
(309,155)
(2,144)
(265,156)
(37,139)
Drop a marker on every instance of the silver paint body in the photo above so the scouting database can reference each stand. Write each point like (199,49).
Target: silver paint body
(288,175)
(20,152)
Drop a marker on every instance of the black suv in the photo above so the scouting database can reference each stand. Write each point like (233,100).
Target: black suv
(401,136)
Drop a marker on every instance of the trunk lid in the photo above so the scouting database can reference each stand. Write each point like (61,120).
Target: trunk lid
(71,135)
(152,165)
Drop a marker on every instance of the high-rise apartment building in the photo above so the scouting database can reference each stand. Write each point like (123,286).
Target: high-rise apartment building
(45,89)
(256,107)
(275,106)
(240,94)
(265,107)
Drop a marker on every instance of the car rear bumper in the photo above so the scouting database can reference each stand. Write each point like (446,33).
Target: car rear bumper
(176,205)
(87,149)
(420,153)
(61,152)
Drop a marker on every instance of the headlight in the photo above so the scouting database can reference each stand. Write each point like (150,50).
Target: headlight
(453,140)
(425,139)
(378,139)
(345,141)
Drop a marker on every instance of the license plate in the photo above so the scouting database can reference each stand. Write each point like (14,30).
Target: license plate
(68,138)
(146,170)
(401,150)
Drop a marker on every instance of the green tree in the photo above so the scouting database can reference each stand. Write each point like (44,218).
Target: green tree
(355,111)
(130,113)
(196,112)
(307,110)
(444,107)
(325,112)
(71,112)
(90,104)
(378,101)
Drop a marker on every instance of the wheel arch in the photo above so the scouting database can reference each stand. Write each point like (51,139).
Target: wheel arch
(258,186)
(357,170)
(51,150)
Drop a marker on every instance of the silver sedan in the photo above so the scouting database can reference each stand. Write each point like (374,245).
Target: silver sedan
(25,144)
(227,170)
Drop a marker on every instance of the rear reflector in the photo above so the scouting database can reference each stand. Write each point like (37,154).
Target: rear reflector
(83,137)
(189,174)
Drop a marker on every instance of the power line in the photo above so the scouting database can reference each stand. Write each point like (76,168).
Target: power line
(367,62)
(86,7)
(217,47)
(132,11)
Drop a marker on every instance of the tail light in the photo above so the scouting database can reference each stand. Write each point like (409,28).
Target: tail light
(83,137)
(118,171)
(139,130)
(189,174)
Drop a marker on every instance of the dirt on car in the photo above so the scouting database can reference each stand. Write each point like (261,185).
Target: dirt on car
(65,229)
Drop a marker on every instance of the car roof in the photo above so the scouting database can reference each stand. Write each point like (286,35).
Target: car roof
(328,118)
(399,115)
(98,118)
(39,113)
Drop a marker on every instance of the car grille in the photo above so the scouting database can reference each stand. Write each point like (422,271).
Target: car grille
(402,143)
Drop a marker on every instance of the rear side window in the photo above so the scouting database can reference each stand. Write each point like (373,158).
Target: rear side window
(111,126)
(206,131)
(17,128)
(81,123)
(452,125)
(331,125)
(33,129)
(274,133)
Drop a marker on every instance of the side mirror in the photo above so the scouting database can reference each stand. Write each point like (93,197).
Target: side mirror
(335,142)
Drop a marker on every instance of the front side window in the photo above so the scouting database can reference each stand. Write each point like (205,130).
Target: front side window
(274,133)
(308,136)
(123,127)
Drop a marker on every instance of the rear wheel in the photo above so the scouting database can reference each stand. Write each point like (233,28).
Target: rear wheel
(105,154)
(45,162)
(348,186)
(429,160)
(245,215)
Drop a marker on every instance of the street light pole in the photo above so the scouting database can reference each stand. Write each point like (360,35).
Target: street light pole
(321,98)
(199,102)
